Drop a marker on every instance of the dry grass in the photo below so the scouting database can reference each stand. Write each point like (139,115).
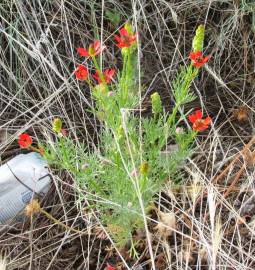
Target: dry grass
(37,58)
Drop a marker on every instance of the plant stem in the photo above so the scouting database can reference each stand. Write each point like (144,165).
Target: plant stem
(56,221)
(101,76)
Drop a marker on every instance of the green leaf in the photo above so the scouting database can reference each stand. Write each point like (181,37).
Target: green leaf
(113,17)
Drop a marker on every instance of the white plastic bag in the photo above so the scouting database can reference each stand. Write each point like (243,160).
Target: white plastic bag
(21,178)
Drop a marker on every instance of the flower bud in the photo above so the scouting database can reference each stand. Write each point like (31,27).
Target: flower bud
(198,40)
(110,93)
(179,130)
(32,208)
(129,28)
(57,125)
(144,168)
(156,103)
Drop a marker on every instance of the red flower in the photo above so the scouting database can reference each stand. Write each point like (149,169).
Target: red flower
(81,73)
(24,140)
(93,50)
(125,39)
(199,124)
(109,267)
(108,74)
(198,59)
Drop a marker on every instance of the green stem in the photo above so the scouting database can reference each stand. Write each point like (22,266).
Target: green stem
(56,221)
(123,80)
(253,22)
(128,67)
(171,118)
(90,84)
(183,92)
(101,76)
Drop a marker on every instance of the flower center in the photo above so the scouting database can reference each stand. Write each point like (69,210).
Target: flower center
(91,50)
(199,59)
(199,123)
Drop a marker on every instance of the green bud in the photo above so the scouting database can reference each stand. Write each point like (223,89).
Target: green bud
(156,103)
(120,132)
(129,28)
(57,125)
(101,89)
(101,116)
(144,168)
(198,40)
(124,51)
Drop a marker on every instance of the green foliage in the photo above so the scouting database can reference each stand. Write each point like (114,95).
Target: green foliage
(113,16)
(133,162)
(249,6)
(181,85)
(181,93)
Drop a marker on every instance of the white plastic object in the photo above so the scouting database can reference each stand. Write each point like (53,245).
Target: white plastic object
(21,178)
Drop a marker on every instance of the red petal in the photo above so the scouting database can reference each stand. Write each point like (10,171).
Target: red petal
(198,114)
(123,32)
(192,118)
(97,48)
(121,45)
(97,77)
(24,140)
(111,72)
(102,48)
(195,55)
(82,52)
(109,267)
(192,56)
(133,38)
(195,116)
(96,45)
(202,128)
(198,53)
(197,64)
(207,120)
(117,38)
(81,72)
(206,59)
(82,68)
(195,127)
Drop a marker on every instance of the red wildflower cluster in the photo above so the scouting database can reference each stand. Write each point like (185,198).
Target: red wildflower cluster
(24,140)
(93,50)
(81,73)
(199,124)
(125,39)
(107,74)
(197,59)
(110,267)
